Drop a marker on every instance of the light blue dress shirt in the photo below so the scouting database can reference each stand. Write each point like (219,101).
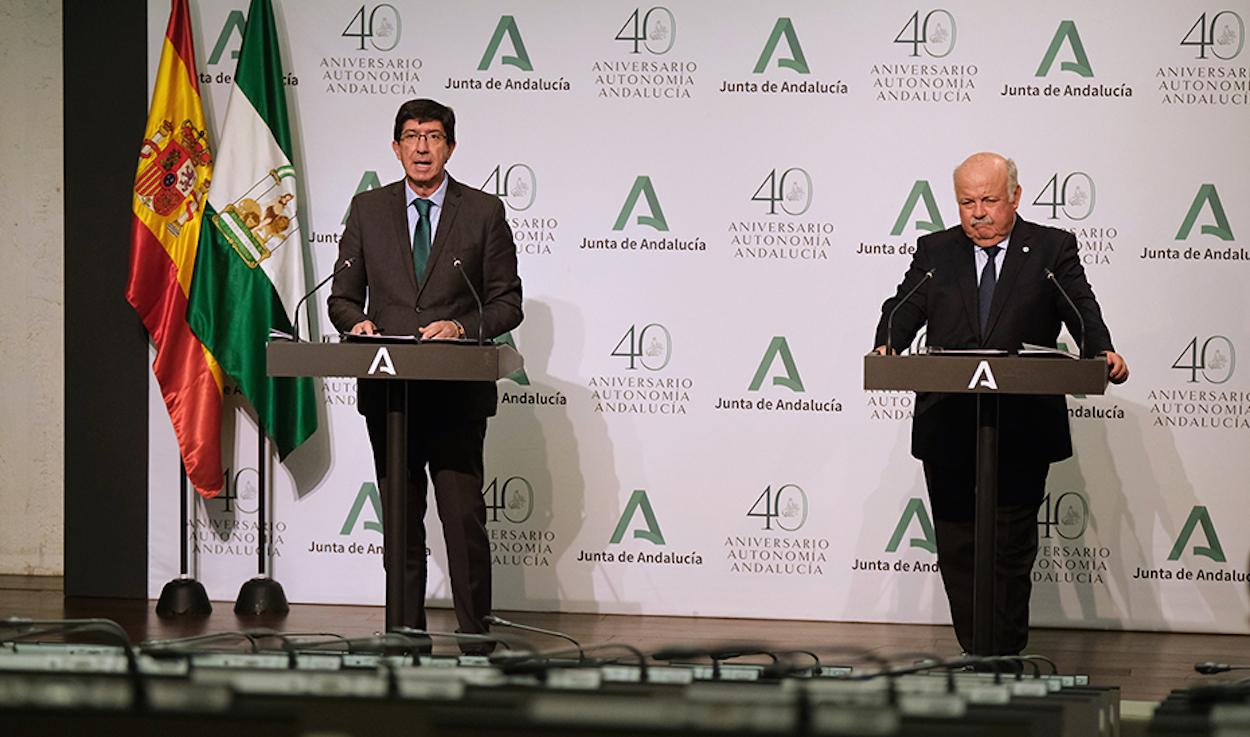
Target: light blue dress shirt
(435,212)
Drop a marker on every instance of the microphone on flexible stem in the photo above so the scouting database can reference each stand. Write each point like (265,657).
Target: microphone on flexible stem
(889,321)
(541,662)
(784,664)
(1209,668)
(492,619)
(480,312)
(715,654)
(458,637)
(347,264)
(1080,320)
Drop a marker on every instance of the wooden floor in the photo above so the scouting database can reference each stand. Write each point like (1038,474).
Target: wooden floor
(1145,665)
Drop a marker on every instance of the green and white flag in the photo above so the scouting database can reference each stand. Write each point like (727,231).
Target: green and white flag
(249,268)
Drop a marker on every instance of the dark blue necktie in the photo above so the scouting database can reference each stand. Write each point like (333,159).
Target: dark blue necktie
(421,238)
(989,277)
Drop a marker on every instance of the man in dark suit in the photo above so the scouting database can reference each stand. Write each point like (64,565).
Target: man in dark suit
(989,289)
(407,242)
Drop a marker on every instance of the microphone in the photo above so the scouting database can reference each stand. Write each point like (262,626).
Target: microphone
(480,312)
(889,322)
(784,665)
(492,619)
(1209,668)
(523,662)
(1080,320)
(347,264)
(464,638)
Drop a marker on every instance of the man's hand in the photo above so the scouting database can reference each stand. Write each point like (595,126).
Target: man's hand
(440,329)
(364,327)
(1117,368)
(880,350)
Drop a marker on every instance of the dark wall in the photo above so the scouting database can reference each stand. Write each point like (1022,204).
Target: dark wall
(106,371)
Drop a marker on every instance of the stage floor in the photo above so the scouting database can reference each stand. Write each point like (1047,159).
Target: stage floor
(1145,665)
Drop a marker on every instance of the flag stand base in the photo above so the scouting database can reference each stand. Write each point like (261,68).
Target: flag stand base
(261,595)
(183,597)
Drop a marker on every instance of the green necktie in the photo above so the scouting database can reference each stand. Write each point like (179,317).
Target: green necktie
(421,238)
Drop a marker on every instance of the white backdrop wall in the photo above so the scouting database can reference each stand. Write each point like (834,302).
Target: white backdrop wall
(711,200)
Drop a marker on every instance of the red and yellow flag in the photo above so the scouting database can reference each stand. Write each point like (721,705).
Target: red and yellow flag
(175,167)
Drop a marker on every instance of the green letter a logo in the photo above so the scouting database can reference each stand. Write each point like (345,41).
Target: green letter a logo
(642,186)
(519,376)
(915,508)
(792,380)
(368,492)
(638,500)
(520,58)
(920,190)
(369,180)
(1080,64)
(234,24)
(1212,550)
(1221,229)
(796,61)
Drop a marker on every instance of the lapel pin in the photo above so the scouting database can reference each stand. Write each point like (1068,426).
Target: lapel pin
(1025,249)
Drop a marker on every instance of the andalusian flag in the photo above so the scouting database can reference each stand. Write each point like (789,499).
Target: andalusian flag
(249,272)
(175,166)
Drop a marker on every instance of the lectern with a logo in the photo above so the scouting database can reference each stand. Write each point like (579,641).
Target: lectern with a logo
(399,361)
(987,375)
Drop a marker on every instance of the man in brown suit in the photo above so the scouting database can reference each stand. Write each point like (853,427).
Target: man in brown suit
(407,241)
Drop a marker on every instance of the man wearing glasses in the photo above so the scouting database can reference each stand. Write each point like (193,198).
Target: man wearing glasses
(406,242)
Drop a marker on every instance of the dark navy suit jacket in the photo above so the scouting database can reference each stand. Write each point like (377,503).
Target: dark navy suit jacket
(1026,308)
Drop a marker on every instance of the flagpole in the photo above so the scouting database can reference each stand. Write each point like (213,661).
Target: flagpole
(183,596)
(261,594)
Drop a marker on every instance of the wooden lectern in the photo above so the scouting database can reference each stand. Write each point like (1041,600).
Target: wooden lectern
(986,375)
(400,361)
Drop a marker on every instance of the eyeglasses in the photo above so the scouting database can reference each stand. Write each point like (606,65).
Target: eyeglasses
(433,137)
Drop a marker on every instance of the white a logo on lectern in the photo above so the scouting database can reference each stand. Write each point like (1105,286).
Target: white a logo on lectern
(984,375)
(382,362)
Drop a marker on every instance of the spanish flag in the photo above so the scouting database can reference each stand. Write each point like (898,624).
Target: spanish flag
(171,187)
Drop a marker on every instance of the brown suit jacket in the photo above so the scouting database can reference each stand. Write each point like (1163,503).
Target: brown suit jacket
(382,287)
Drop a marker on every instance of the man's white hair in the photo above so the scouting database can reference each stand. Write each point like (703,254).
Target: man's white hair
(1013,174)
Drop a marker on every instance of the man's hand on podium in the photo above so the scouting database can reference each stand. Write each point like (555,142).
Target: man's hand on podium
(442,329)
(364,327)
(1117,367)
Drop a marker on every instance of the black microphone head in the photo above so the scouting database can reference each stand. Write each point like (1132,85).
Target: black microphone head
(931,272)
(347,263)
(457,262)
(1049,274)
(1208,668)
(682,652)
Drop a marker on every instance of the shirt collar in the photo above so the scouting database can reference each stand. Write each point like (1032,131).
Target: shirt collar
(437,198)
(983,249)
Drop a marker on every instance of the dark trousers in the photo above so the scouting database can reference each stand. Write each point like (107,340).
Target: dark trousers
(952,489)
(452,449)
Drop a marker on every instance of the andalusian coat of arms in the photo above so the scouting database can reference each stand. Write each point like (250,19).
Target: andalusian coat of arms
(261,219)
